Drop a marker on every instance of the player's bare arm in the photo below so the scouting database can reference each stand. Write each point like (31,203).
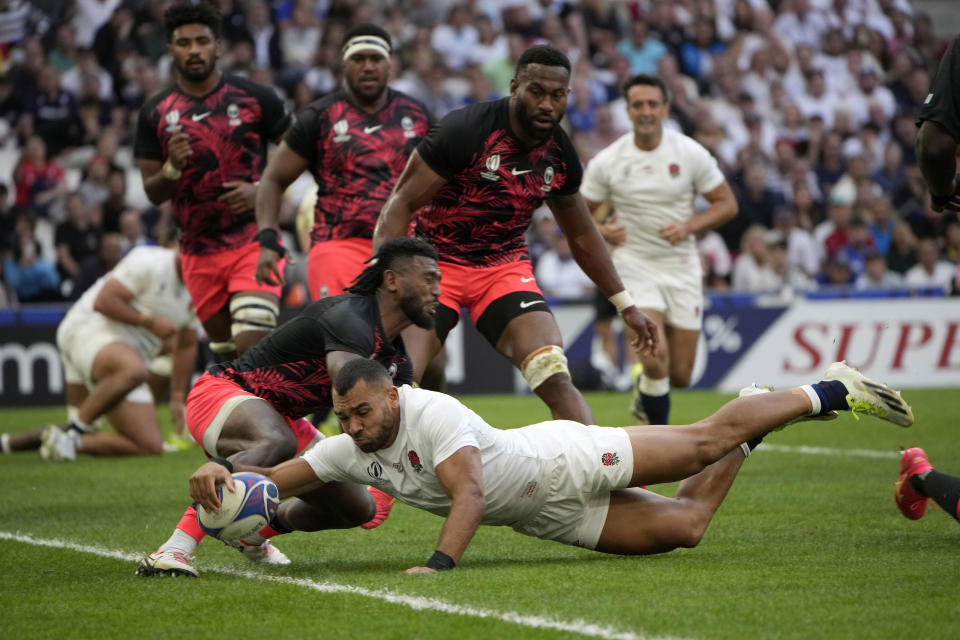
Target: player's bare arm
(416,187)
(160,178)
(937,156)
(116,302)
(461,476)
(336,360)
(723,207)
(590,252)
(292,477)
(284,166)
(609,226)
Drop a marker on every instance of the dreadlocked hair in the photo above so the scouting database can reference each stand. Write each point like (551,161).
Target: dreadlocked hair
(390,253)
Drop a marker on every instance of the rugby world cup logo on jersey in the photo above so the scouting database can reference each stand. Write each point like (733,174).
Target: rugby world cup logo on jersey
(375,471)
(233,112)
(173,121)
(548,175)
(493,163)
(340,128)
(407,124)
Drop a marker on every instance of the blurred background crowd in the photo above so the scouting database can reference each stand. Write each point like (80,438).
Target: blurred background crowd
(808,105)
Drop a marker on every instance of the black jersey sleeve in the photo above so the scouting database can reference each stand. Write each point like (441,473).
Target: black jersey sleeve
(276,117)
(943,102)
(346,330)
(571,163)
(303,134)
(451,143)
(146,144)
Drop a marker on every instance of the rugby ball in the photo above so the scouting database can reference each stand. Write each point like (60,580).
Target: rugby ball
(249,508)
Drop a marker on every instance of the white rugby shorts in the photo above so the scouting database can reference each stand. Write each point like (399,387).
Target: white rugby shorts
(675,290)
(595,461)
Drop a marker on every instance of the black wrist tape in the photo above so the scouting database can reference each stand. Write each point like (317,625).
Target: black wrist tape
(440,561)
(270,239)
(224,462)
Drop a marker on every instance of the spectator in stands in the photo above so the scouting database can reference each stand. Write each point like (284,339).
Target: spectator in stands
(789,276)
(751,269)
(832,234)
(76,237)
(454,38)
(757,203)
(891,175)
(8,217)
(931,270)
(716,261)
(879,214)
(700,52)
(264,35)
(116,201)
(19,19)
(802,253)
(132,231)
(902,253)
(89,16)
(799,23)
(837,272)
(94,266)
(299,40)
(490,44)
(876,275)
(50,112)
(39,181)
(559,275)
(32,278)
(641,49)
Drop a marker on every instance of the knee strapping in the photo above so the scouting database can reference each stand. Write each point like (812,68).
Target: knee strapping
(543,363)
(225,347)
(252,313)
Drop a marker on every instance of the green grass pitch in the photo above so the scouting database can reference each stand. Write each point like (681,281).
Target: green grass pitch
(809,544)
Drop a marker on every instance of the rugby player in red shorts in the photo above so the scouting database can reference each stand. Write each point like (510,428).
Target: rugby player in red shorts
(482,171)
(202,143)
(249,411)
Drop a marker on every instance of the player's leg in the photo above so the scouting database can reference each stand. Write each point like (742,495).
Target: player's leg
(651,397)
(254,308)
(116,369)
(641,522)
(683,353)
(137,429)
(32,439)
(336,505)
(532,342)
(918,482)
(204,278)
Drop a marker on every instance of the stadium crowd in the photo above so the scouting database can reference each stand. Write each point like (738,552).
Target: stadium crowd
(809,107)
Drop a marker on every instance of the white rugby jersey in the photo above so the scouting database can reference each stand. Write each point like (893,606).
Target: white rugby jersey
(517,463)
(650,189)
(150,274)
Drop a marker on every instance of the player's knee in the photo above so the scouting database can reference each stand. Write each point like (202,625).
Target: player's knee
(136,374)
(252,313)
(680,379)
(543,364)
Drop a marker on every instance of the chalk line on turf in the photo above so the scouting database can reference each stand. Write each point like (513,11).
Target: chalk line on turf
(418,603)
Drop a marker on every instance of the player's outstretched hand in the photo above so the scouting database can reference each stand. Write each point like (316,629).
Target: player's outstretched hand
(647,340)
(413,570)
(204,481)
(268,268)
(239,196)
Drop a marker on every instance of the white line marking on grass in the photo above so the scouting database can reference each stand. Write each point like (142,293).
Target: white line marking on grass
(828,451)
(418,603)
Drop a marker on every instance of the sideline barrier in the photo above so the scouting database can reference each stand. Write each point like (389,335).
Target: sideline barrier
(902,339)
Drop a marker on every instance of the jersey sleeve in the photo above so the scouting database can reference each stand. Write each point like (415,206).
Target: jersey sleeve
(344,331)
(571,163)
(596,180)
(135,271)
(303,134)
(146,144)
(447,425)
(451,143)
(942,104)
(276,117)
(328,458)
(707,175)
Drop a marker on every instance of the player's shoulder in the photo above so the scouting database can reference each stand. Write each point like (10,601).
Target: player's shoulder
(246,85)
(148,256)
(354,309)
(407,101)
(436,405)
(478,116)
(614,151)
(682,142)
(150,104)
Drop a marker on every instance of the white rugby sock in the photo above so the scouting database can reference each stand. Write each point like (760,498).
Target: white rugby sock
(814,399)
(180,541)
